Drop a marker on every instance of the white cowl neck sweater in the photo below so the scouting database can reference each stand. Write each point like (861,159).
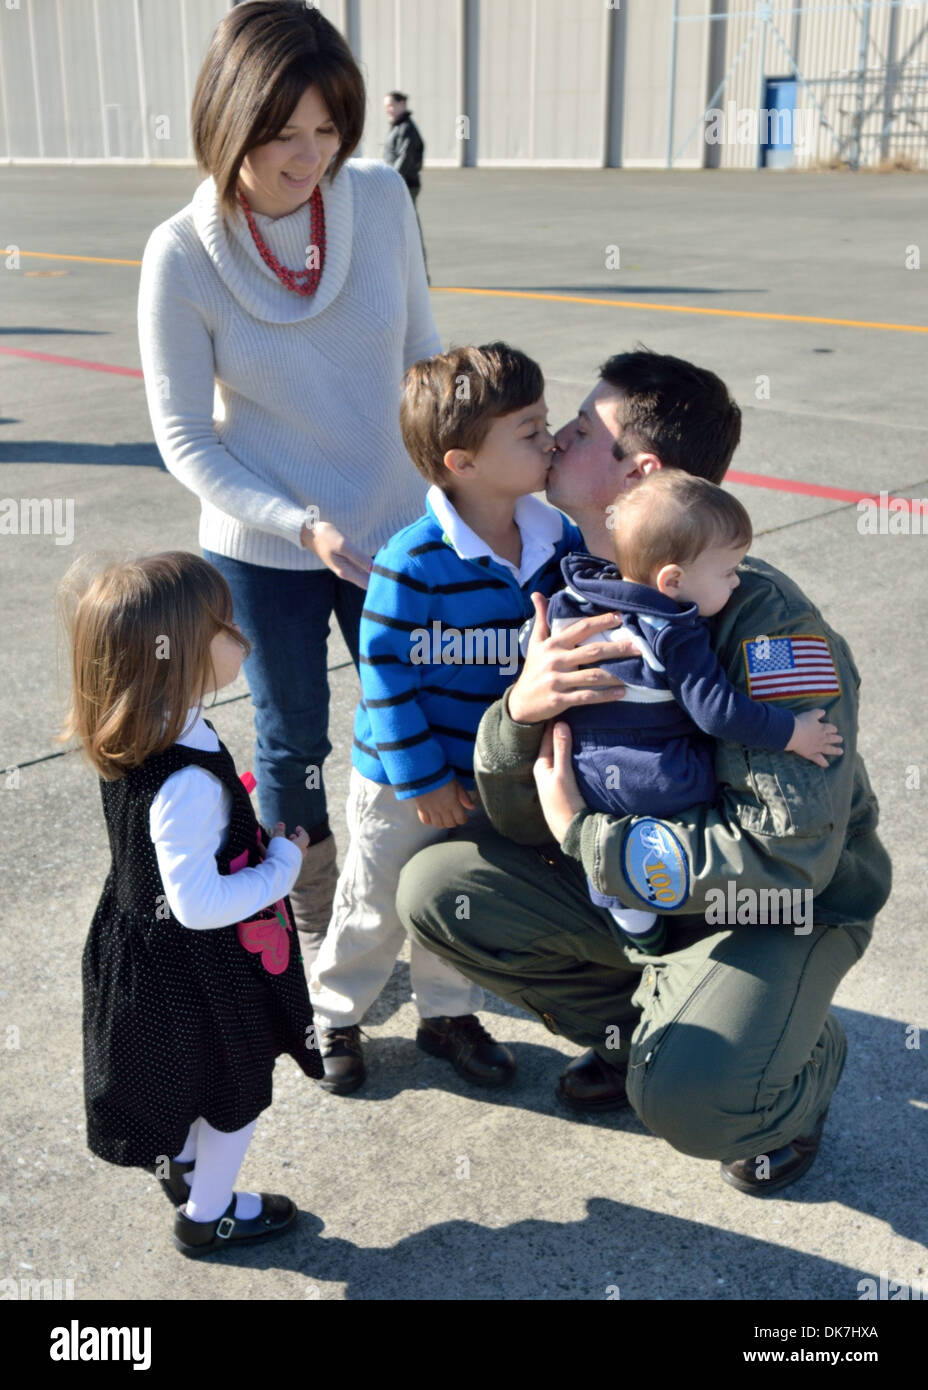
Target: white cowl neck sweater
(264,402)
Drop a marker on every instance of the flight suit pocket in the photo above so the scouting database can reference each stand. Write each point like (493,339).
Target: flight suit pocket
(795,793)
(565,1023)
(653,1025)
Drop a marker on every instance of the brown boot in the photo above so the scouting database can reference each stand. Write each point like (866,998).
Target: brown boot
(589,1083)
(767,1173)
(311,896)
(470,1049)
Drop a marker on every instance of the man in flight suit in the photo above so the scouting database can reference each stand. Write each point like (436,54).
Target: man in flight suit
(724,1045)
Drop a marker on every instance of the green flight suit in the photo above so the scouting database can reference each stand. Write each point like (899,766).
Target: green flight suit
(727,1040)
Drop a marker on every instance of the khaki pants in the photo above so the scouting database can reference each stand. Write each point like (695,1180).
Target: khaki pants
(365,936)
(727,1039)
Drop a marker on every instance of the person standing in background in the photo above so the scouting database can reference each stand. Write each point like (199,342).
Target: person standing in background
(404,151)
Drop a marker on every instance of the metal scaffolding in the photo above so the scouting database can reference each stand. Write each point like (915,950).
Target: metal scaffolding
(871,111)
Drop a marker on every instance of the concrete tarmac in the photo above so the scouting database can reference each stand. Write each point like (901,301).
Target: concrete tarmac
(418,1186)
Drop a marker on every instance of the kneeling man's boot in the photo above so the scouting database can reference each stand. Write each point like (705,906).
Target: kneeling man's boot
(466,1044)
(589,1083)
(767,1173)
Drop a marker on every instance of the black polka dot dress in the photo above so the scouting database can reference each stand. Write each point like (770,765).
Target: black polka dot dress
(179,1022)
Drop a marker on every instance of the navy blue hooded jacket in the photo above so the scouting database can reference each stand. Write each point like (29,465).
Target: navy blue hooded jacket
(648,754)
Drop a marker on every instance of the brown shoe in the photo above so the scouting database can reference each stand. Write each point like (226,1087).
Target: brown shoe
(342,1060)
(467,1045)
(589,1083)
(782,1166)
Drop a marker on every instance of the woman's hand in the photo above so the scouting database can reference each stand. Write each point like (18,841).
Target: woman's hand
(326,541)
(551,679)
(558,792)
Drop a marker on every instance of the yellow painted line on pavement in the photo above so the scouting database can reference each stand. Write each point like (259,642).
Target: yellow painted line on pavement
(687,309)
(60,256)
(586,299)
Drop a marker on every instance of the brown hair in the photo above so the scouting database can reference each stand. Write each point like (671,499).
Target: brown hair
(681,413)
(140,632)
(451,400)
(262,57)
(670,518)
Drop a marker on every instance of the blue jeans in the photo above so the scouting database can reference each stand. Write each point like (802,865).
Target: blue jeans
(285,616)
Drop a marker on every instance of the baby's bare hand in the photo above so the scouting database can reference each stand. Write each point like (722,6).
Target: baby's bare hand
(813,740)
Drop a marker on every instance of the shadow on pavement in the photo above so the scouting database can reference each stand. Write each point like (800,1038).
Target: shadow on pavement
(544,1259)
(61,451)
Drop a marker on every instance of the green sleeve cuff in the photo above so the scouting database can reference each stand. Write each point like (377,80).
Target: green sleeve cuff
(592,837)
(514,745)
(580,839)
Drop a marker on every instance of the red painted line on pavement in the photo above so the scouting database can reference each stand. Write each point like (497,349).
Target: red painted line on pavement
(837,494)
(70,361)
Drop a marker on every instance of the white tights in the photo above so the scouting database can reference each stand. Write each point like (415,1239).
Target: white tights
(218,1157)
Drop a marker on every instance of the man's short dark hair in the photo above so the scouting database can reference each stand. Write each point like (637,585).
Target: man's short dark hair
(682,413)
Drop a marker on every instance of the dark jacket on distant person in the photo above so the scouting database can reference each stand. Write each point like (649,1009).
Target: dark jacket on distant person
(404,149)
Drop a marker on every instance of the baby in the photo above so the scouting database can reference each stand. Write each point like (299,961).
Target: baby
(678,543)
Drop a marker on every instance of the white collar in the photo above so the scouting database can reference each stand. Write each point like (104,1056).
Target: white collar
(197,734)
(541,527)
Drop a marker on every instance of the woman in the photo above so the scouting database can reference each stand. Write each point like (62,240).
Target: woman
(277,314)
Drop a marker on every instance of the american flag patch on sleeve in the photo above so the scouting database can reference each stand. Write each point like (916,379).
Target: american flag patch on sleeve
(780,668)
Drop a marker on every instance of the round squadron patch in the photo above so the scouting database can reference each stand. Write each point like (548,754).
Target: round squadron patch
(655,865)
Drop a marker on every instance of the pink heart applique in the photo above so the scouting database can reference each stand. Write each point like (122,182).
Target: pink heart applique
(269,936)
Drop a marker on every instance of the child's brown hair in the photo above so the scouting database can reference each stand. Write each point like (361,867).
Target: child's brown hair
(670,518)
(140,633)
(451,400)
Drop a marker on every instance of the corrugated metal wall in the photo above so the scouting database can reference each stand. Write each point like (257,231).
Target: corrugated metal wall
(413,46)
(528,81)
(76,76)
(852,78)
(542,75)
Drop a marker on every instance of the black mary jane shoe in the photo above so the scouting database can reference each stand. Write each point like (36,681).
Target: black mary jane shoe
(195,1238)
(175,1186)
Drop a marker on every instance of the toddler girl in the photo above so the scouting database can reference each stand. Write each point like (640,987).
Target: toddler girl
(192,978)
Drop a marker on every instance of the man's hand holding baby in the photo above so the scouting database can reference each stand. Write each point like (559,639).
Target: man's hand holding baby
(559,671)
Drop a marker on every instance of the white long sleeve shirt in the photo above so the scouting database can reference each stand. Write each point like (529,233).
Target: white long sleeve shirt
(188,822)
(264,402)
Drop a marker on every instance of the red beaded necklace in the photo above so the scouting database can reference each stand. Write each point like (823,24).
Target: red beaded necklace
(300,281)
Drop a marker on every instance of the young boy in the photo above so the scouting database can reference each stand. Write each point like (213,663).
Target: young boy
(439,643)
(678,543)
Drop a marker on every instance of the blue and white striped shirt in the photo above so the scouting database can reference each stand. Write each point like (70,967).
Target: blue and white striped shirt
(439,640)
